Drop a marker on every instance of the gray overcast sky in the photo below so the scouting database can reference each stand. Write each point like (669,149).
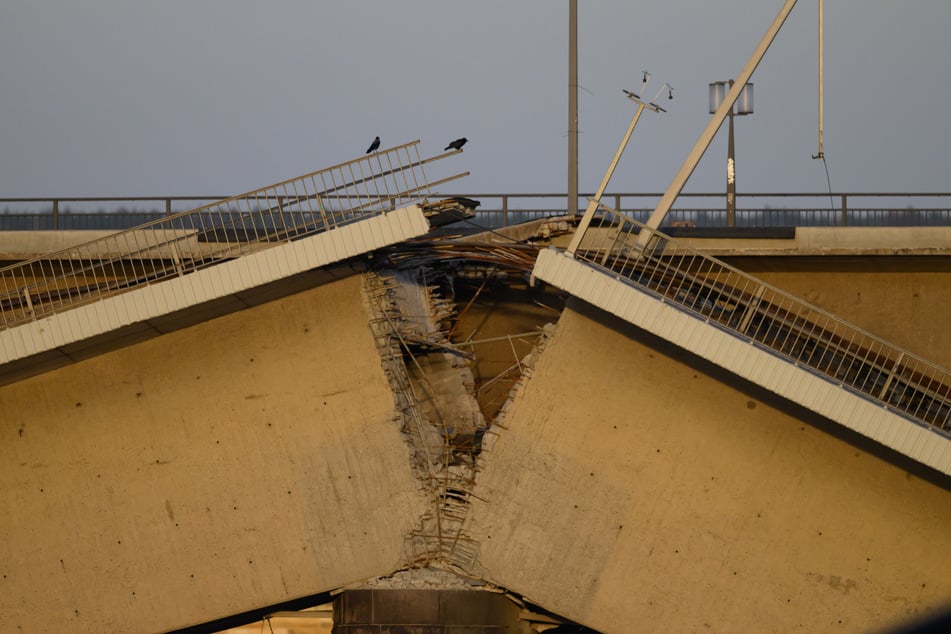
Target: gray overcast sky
(176,97)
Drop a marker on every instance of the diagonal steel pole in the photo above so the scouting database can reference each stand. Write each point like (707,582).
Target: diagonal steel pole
(594,202)
(677,185)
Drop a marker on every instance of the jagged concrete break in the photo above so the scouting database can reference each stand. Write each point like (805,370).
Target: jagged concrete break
(437,412)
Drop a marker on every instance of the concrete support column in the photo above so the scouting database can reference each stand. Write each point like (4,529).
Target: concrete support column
(398,611)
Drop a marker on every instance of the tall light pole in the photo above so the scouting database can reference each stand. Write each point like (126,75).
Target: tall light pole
(573,108)
(594,202)
(743,106)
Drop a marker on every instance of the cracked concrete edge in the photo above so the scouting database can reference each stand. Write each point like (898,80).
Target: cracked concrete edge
(439,540)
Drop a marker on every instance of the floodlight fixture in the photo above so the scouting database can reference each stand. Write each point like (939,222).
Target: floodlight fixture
(744,103)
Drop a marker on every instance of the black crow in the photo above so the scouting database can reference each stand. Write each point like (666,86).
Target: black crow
(457,144)
(374,146)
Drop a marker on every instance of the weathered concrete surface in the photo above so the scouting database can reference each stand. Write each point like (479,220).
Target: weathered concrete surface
(636,489)
(904,300)
(172,434)
(240,462)
(23,245)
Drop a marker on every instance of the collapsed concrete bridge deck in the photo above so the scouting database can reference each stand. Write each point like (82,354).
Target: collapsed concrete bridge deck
(287,449)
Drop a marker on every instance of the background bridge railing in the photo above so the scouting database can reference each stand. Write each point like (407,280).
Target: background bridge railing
(186,241)
(499,210)
(753,209)
(779,322)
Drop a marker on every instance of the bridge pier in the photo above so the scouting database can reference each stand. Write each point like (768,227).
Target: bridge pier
(436,611)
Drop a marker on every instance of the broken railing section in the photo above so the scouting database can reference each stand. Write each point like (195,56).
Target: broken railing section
(436,410)
(449,210)
(786,325)
(227,229)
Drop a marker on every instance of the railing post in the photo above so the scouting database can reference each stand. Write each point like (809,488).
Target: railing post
(845,211)
(883,394)
(505,210)
(55,214)
(168,206)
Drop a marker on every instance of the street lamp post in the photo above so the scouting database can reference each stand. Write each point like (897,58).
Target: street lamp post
(593,203)
(743,106)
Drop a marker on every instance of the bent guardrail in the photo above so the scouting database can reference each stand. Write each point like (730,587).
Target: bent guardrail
(785,325)
(190,240)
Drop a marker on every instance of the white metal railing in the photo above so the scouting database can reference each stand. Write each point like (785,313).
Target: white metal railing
(184,242)
(769,317)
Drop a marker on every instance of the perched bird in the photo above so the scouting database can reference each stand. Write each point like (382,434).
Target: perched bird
(374,146)
(457,144)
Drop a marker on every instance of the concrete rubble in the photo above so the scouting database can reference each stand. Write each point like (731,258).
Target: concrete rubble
(437,409)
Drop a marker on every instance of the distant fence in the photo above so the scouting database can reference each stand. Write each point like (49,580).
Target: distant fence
(499,210)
